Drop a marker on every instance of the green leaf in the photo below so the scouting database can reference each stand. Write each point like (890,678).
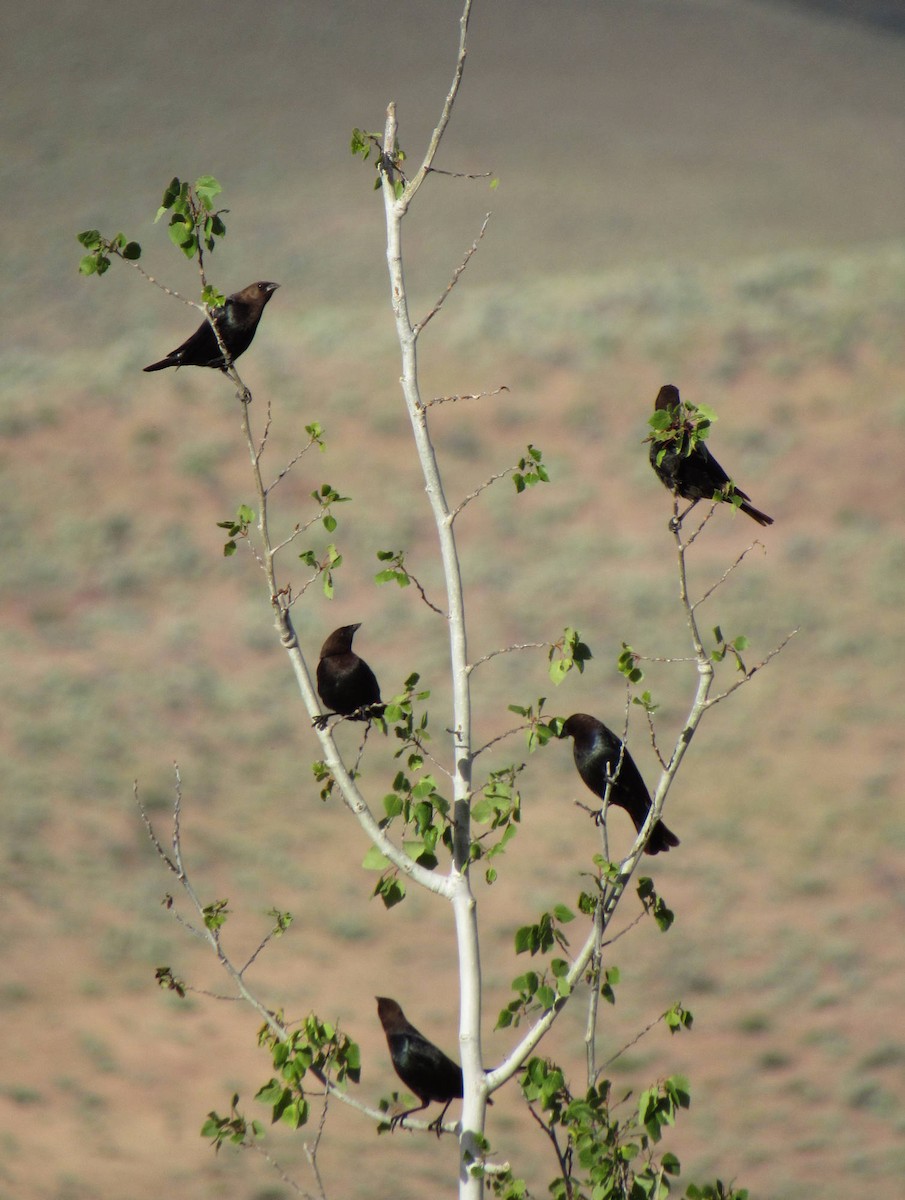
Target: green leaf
(524,939)
(390,890)
(206,189)
(375,860)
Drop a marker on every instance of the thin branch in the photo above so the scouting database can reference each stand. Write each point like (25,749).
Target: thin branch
(481,487)
(266,434)
(311,1151)
(136,266)
(430,604)
(287,541)
(419,326)
(628,928)
(666,658)
(465,396)
(725,575)
(550,1131)
(460,174)
(288,467)
(508,650)
(635,1040)
(749,674)
(596,965)
(210,935)
(500,738)
(415,183)
(275,1166)
(655,745)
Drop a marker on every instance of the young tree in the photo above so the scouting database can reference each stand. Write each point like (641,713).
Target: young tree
(424,837)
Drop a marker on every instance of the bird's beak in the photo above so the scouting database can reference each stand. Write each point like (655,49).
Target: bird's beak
(272,287)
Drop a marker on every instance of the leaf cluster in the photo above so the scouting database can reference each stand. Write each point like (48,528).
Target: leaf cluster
(389,163)
(531,469)
(681,428)
(603,1155)
(568,653)
(98,261)
(194,222)
(499,807)
(539,991)
(318,1049)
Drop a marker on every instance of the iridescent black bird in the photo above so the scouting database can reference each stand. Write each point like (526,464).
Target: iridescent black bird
(237,319)
(696,475)
(597,754)
(345,682)
(422,1066)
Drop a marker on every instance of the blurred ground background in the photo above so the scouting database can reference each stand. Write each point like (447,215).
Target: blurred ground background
(708,192)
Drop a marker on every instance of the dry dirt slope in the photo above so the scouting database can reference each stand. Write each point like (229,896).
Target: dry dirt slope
(127,641)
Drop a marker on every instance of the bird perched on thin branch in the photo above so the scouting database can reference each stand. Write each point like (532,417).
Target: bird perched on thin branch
(599,754)
(422,1066)
(345,682)
(686,466)
(237,319)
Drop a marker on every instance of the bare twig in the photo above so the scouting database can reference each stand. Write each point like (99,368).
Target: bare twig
(311,1151)
(415,183)
(419,326)
(465,396)
(655,745)
(595,966)
(480,488)
(288,467)
(561,1157)
(635,1040)
(749,674)
(508,650)
(500,738)
(280,1171)
(461,174)
(136,266)
(430,604)
(265,435)
(725,575)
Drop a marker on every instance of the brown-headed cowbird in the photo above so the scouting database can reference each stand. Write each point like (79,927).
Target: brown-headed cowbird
(237,319)
(696,475)
(422,1066)
(345,682)
(597,753)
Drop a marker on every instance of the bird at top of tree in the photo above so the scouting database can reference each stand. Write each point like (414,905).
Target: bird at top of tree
(683,463)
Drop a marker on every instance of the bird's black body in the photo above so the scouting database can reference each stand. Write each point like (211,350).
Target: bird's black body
(695,476)
(237,319)
(597,753)
(345,682)
(422,1066)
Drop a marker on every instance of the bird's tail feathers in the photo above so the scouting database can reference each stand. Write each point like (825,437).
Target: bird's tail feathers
(756,514)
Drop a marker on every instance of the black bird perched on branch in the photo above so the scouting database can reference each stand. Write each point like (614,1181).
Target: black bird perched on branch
(422,1066)
(345,682)
(690,470)
(599,753)
(237,319)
